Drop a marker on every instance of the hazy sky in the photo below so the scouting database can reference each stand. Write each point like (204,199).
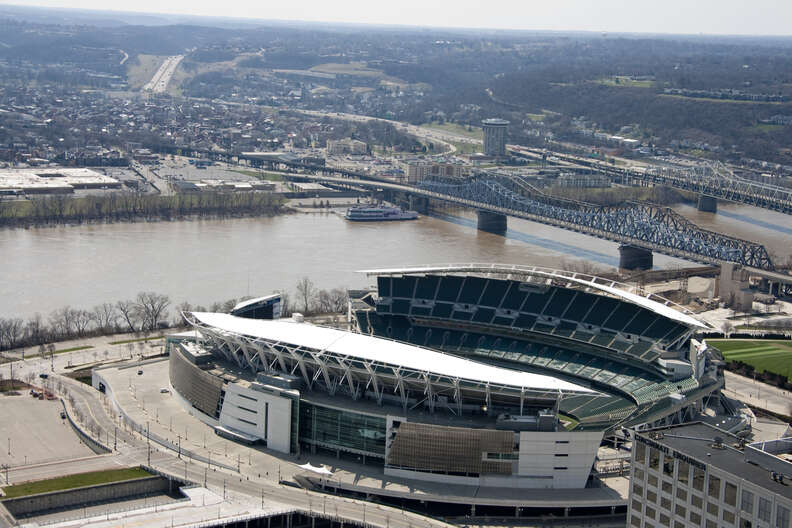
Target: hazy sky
(754,17)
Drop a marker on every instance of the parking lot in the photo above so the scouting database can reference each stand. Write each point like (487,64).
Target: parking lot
(32,431)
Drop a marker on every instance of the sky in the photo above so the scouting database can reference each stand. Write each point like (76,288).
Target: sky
(730,17)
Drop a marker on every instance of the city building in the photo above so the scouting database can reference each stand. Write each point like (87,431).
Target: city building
(495,137)
(697,475)
(418,170)
(346,146)
(53,180)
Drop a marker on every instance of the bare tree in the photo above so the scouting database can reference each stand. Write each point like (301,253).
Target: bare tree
(11,332)
(151,307)
(306,291)
(178,319)
(727,328)
(339,299)
(105,316)
(81,319)
(324,302)
(128,314)
(229,305)
(62,321)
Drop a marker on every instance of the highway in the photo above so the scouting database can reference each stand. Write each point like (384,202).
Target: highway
(131,449)
(159,82)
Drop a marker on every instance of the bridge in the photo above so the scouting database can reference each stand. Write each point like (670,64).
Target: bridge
(711,182)
(640,228)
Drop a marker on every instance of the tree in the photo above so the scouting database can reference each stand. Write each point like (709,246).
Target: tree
(339,299)
(105,316)
(81,319)
(727,328)
(324,303)
(128,314)
(306,291)
(151,307)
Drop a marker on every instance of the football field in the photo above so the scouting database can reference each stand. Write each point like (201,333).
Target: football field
(763,354)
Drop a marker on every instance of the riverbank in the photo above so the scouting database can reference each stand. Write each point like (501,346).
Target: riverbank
(120,208)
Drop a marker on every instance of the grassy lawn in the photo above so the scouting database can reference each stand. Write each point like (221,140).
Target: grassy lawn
(455,128)
(125,341)
(74,481)
(621,81)
(729,101)
(765,127)
(62,351)
(141,69)
(271,176)
(763,354)
(570,424)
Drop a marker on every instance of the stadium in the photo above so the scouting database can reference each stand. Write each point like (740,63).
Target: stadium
(477,375)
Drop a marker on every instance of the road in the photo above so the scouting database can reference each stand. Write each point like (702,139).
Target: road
(159,82)
(758,394)
(132,449)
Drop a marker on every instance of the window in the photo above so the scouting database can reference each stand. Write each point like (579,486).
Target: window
(638,490)
(681,494)
(714,487)
(730,494)
(764,510)
(712,508)
(651,496)
(683,473)
(665,520)
(652,480)
(747,501)
(665,504)
(650,512)
(745,523)
(667,487)
(680,510)
(728,517)
(635,520)
(782,517)
(678,524)
(668,466)
(636,505)
(696,501)
(711,524)
(695,518)
(640,452)
(654,458)
(639,474)
(698,479)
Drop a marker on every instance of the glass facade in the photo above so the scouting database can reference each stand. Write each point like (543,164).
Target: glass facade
(347,431)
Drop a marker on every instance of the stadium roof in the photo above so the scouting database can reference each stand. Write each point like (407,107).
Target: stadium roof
(621,291)
(363,347)
(248,302)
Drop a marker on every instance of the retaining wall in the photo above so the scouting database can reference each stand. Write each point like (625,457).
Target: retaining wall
(78,497)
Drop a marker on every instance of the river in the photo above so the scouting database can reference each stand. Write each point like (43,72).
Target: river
(202,261)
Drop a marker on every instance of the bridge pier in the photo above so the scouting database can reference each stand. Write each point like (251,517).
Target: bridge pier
(492,222)
(707,204)
(419,204)
(634,258)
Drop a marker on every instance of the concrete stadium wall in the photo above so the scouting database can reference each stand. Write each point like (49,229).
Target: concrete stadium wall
(58,500)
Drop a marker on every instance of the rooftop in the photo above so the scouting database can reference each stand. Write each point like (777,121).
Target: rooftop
(330,340)
(696,441)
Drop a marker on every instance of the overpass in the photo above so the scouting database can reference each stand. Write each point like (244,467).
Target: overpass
(640,228)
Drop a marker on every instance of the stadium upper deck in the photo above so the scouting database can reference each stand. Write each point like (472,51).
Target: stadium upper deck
(634,349)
